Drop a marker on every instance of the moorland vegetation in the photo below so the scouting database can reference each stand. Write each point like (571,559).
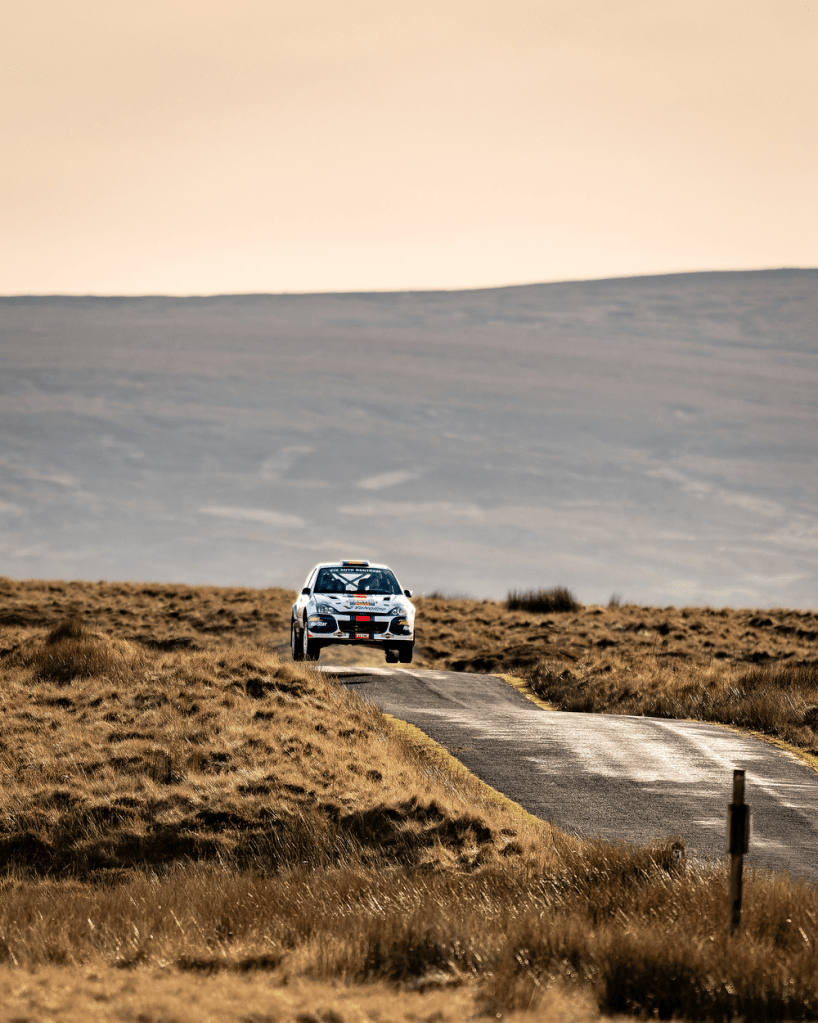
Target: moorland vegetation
(193,827)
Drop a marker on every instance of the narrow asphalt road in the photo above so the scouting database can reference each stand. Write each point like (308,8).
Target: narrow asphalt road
(630,778)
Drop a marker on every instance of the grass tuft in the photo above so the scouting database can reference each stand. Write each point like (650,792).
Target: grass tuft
(71,627)
(556,599)
(71,650)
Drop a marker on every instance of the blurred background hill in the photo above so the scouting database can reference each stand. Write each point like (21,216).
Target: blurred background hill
(653,437)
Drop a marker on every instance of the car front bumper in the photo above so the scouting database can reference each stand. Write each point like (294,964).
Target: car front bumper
(373,629)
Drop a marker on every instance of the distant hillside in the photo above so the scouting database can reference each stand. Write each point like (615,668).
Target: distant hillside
(650,436)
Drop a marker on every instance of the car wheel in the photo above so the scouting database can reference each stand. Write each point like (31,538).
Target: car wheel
(295,642)
(391,656)
(310,648)
(405,653)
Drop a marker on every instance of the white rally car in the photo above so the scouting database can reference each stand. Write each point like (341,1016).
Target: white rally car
(353,602)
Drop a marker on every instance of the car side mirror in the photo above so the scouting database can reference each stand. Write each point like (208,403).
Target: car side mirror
(306,591)
(408,593)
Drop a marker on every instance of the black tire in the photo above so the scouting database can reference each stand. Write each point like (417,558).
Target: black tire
(405,653)
(391,656)
(296,641)
(310,648)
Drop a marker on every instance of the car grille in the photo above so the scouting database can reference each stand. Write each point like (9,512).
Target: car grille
(355,625)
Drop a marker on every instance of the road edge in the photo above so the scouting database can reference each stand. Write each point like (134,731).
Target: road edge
(431,745)
(809,760)
(525,690)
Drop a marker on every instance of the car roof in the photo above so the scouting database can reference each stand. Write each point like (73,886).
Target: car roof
(339,564)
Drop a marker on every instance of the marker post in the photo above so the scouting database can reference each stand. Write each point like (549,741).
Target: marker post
(738,843)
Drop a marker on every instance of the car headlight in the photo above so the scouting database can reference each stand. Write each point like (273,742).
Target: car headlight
(324,609)
(396,610)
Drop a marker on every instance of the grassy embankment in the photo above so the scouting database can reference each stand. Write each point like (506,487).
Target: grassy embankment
(193,829)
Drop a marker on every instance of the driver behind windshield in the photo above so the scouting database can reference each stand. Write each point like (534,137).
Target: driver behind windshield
(333,580)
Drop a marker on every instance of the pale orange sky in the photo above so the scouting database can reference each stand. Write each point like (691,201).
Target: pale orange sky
(192,147)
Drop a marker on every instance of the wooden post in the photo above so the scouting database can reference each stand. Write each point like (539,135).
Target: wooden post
(738,843)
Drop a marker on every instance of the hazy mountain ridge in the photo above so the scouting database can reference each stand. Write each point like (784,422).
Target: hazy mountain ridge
(650,436)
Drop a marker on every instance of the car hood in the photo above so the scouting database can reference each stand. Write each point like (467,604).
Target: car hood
(376,603)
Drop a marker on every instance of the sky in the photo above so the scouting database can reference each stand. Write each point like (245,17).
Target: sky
(199,147)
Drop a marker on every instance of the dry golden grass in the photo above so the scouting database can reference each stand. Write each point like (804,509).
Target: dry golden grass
(780,700)
(156,615)
(627,930)
(115,756)
(474,635)
(104,995)
(192,828)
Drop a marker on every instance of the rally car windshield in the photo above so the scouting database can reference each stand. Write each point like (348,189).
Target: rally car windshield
(356,580)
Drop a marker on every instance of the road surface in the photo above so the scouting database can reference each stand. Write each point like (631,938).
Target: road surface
(616,776)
